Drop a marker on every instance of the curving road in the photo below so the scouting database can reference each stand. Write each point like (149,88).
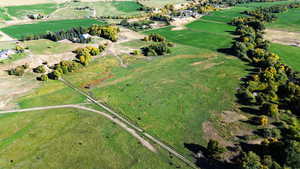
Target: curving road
(133,126)
(108,116)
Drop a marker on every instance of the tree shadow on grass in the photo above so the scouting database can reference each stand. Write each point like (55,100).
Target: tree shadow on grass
(199,153)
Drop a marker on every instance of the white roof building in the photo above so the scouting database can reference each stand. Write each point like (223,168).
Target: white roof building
(4,54)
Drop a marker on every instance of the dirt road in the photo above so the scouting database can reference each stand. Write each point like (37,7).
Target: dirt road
(110,117)
(133,126)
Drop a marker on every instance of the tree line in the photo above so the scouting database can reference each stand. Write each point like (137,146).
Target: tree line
(78,35)
(274,88)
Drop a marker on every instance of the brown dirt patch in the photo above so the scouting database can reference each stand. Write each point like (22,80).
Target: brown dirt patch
(231,116)
(211,133)
(97,81)
(283,37)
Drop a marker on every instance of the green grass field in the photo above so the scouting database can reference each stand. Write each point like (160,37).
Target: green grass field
(19,31)
(161,3)
(47,47)
(288,54)
(23,11)
(171,96)
(287,21)
(3,15)
(168,96)
(71,139)
(201,34)
(114,8)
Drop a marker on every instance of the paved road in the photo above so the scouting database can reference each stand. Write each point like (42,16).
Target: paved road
(133,126)
(110,117)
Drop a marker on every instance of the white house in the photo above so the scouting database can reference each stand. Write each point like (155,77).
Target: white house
(4,54)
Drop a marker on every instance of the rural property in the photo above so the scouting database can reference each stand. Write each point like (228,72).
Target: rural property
(149,84)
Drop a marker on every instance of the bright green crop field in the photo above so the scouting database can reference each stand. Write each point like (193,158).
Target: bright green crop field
(114,8)
(19,31)
(23,11)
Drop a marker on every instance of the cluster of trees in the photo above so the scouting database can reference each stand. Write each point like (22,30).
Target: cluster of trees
(236,2)
(61,68)
(84,56)
(157,49)
(205,9)
(77,34)
(124,17)
(74,35)
(160,45)
(138,25)
(155,38)
(19,70)
(274,88)
(160,17)
(40,69)
(19,49)
(107,32)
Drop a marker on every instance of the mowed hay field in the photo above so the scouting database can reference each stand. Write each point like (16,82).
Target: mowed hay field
(23,2)
(22,11)
(19,31)
(114,8)
(71,139)
(160,3)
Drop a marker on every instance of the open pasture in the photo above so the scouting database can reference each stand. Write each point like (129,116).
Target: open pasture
(113,8)
(19,31)
(160,3)
(72,139)
(22,11)
(3,15)
(288,54)
(23,2)
(287,21)
(201,34)
(47,47)
(171,96)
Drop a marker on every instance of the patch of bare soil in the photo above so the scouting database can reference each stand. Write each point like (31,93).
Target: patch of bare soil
(283,37)
(22,2)
(231,116)
(256,141)
(180,22)
(12,87)
(211,133)
(115,49)
(4,37)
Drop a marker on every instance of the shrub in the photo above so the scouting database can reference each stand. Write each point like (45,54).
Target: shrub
(137,52)
(263,120)
(43,77)
(155,38)
(270,109)
(19,70)
(214,149)
(39,69)
(156,49)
